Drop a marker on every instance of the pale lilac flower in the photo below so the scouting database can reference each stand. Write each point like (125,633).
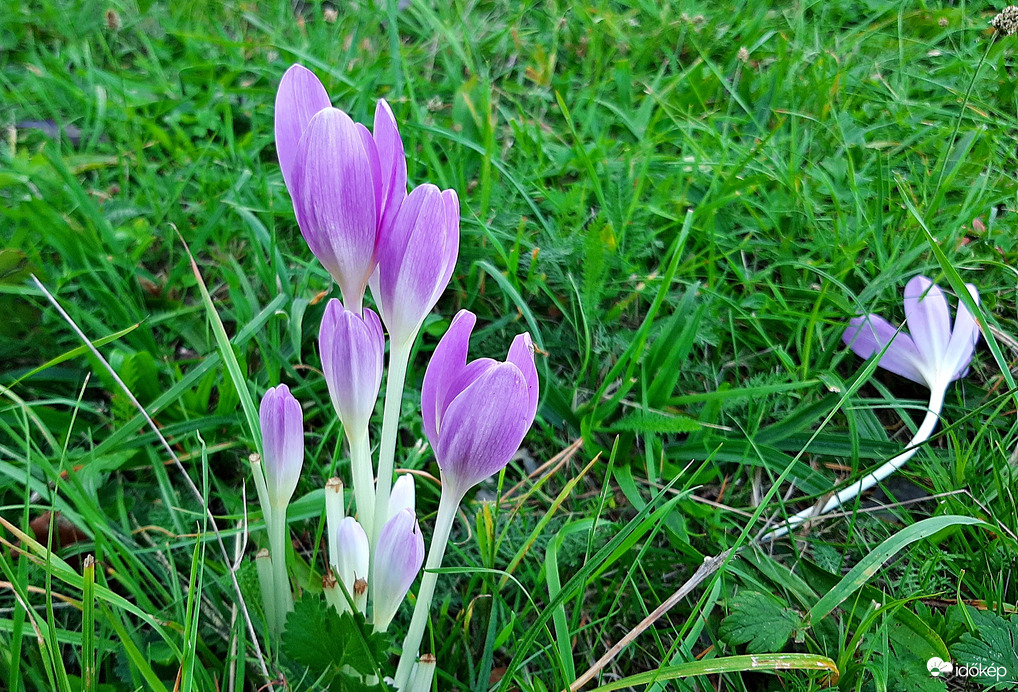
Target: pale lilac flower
(398,559)
(352,350)
(931,352)
(351,560)
(403,495)
(346,184)
(476,414)
(416,258)
(282,424)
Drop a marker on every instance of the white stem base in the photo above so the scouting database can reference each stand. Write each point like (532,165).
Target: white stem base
(412,644)
(922,434)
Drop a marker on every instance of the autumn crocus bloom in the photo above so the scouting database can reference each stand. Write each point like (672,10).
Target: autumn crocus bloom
(476,414)
(397,560)
(352,348)
(282,423)
(933,353)
(346,183)
(351,560)
(416,260)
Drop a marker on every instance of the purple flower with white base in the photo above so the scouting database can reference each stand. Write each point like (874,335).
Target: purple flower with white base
(476,414)
(933,353)
(398,559)
(282,424)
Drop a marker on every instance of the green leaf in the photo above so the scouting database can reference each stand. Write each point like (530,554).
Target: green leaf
(760,622)
(317,637)
(652,421)
(907,672)
(991,653)
(871,564)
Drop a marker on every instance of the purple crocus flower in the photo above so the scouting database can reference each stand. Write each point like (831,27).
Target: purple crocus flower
(282,423)
(346,184)
(932,352)
(416,260)
(352,349)
(398,559)
(476,414)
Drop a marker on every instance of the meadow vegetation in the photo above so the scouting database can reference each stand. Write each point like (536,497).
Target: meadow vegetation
(683,202)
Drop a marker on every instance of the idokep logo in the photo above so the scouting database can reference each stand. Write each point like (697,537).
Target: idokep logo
(938,666)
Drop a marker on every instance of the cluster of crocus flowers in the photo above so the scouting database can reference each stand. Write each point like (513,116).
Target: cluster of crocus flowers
(933,352)
(348,187)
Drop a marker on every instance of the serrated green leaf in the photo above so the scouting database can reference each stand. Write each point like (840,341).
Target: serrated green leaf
(907,672)
(991,653)
(317,637)
(760,622)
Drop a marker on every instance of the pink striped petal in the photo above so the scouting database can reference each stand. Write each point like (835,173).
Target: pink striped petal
(416,259)
(867,336)
(483,427)
(282,424)
(299,97)
(964,338)
(447,362)
(929,320)
(393,163)
(335,196)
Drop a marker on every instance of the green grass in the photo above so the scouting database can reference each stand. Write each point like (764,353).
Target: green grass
(683,202)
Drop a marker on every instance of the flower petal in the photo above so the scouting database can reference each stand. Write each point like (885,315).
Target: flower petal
(416,259)
(335,196)
(964,338)
(352,557)
(393,162)
(398,559)
(929,320)
(448,360)
(352,349)
(282,424)
(867,336)
(299,97)
(521,353)
(483,427)
(403,495)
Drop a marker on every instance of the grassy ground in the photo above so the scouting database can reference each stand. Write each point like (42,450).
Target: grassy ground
(683,202)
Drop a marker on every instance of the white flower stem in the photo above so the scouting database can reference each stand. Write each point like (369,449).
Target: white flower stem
(423,674)
(334,513)
(263,564)
(399,356)
(277,553)
(845,495)
(412,644)
(363,486)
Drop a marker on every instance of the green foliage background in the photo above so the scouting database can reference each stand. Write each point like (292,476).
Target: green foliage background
(683,202)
